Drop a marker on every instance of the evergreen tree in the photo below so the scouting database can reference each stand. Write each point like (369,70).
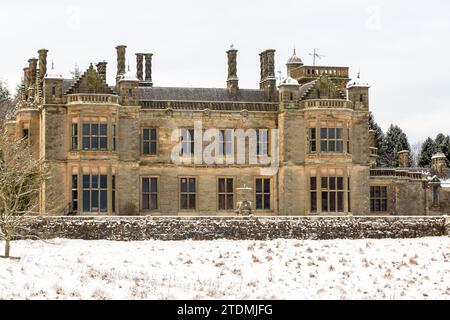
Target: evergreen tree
(443,145)
(5,95)
(394,141)
(379,136)
(428,150)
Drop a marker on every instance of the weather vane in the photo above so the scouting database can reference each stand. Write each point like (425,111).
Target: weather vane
(316,55)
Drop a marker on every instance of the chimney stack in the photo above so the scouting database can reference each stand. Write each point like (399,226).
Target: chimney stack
(121,50)
(101,69)
(148,69)
(42,63)
(268,81)
(232,80)
(32,71)
(140,66)
(403,159)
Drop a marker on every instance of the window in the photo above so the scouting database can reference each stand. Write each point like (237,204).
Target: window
(187,141)
(95,136)
(149,193)
(435,194)
(378,198)
(130,93)
(95,193)
(25,133)
(188,193)
(226,193)
(113,137)
(53,91)
(113,193)
(74,193)
(348,195)
(331,140)
(313,193)
(74,136)
(262,142)
(332,189)
(149,141)
(361,98)
(263,194)
(348,140)
(312,139)
(226,142)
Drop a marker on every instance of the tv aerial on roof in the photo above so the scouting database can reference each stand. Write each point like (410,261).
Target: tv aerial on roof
(316,55)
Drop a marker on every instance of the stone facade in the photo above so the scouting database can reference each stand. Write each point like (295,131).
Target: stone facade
(111,147)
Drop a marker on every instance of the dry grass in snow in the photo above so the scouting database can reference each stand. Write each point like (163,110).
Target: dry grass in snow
(278,269)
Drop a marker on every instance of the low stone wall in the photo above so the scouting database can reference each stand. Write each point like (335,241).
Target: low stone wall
(237,228)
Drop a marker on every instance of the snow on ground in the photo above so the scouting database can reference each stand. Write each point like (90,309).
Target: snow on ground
(278,269)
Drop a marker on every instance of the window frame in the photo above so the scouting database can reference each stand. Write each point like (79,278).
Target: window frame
(373,199)
(92,189)
(141,193)
(335,141)
(263,193)
(149,141)
(190,142)
(259,143)
(188,193)
(226,193)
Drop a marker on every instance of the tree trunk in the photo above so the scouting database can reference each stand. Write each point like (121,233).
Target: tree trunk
(7,246)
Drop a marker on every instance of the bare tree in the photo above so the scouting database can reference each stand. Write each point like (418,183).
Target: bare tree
(21,179)
(415,152)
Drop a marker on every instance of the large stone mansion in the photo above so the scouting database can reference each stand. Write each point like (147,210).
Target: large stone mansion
(120,149)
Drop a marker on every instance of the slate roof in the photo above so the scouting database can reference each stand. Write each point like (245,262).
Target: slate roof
(200,94)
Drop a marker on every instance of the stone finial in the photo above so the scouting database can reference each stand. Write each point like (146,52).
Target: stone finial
(140,66)
(101,69)
(121,51)
(403,159)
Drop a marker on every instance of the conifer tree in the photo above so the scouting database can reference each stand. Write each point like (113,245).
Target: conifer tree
(379,136)
(427,151)
(394,141)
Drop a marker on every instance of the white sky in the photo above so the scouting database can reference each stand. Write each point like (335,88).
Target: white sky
(401,47)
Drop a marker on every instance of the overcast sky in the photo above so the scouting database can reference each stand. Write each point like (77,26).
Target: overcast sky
(401,47)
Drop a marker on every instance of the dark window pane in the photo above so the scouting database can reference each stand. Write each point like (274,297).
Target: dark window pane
(340,183)
(86,181)
(145,185)
(146,147)
(266,185)
(94,142)
(324,201)
(312,133)
(191,184)
(103,129)
(330,133)
(229,185)
(339,146)
(183,201)
(94,204)
(153,147)
(153,134)
(146,134)
(312,146)
(267,201)
(183,184)
(113,182)
(145,201)
(383,205)
(313,201)
(86,201)
(259,201)
(74,181)
(103,181)
(192,201)
(323,133)
(332,183)
(377,192)
(332,146)
(103,143)
(332,201)
(377,204)
(154,201)
(86,144)
(154,185)
(338,133)
(323,145)
(86,129)
(113,199)
(94,181)
(384,192)
(372,192)
(221,185)
(258,185)
(230,202)
(372,205)
(324,181)
(313,183)
(340,201)
(222,202)
(103,200)
(94,129)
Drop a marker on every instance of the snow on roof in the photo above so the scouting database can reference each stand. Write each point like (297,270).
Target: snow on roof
(438,155)
(294,59)
(358,82)
(289,82)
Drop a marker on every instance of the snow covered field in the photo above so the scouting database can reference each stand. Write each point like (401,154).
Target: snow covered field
(278,269)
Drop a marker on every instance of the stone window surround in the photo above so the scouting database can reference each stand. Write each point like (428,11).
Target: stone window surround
(158,188)
(271,194)
(317,124)
(380,198)
(196,193)
(80,119)
(226,193)
(149,141)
